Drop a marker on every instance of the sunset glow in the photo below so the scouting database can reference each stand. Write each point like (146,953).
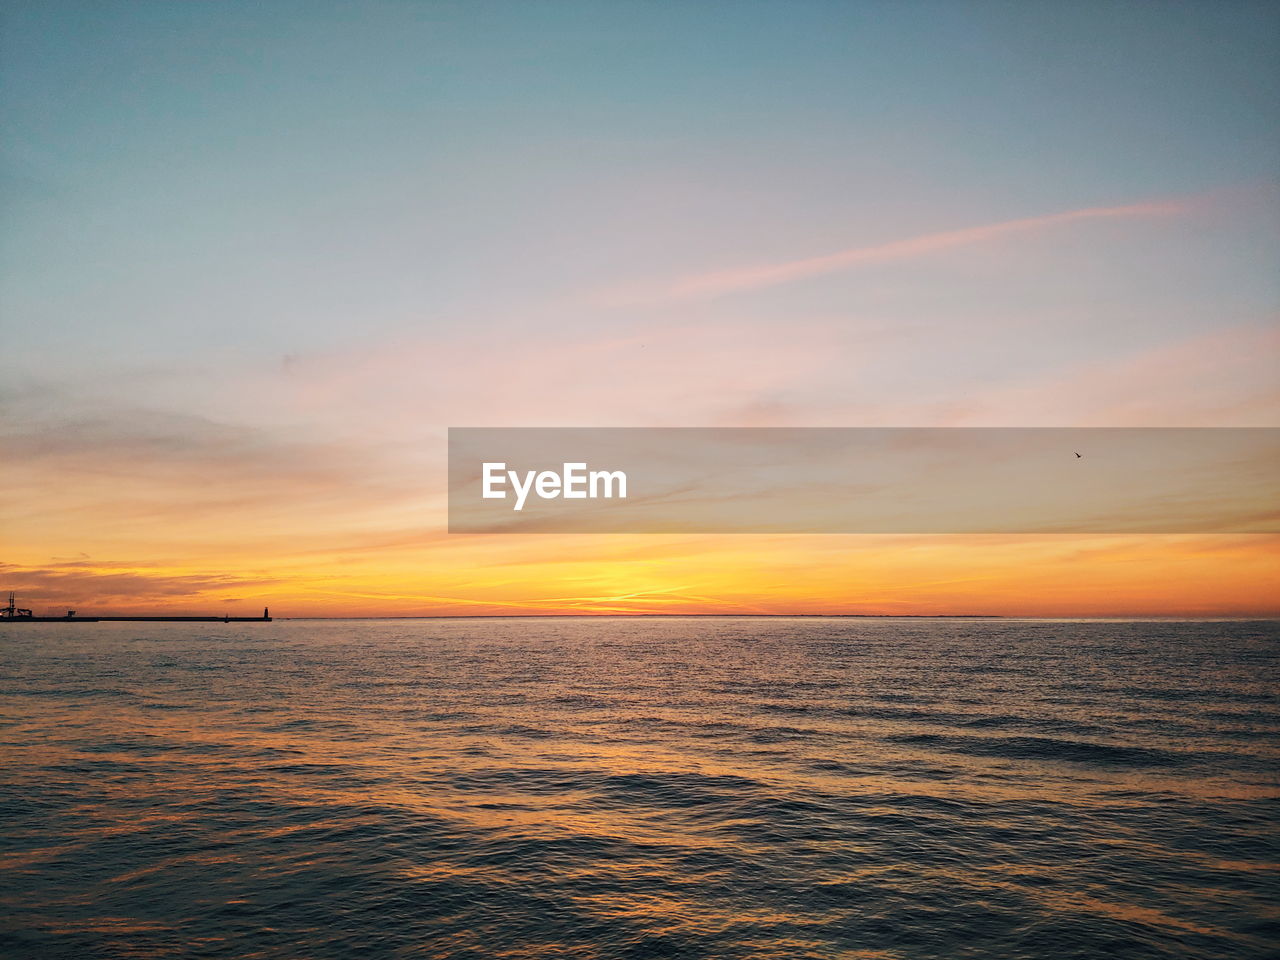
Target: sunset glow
(228,384)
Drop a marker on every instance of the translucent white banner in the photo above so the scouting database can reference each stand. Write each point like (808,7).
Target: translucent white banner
(864,480)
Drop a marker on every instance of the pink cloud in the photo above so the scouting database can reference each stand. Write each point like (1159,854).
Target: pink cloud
(1226,377)
(719,283)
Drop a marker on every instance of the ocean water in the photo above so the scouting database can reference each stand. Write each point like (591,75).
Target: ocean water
(626,788)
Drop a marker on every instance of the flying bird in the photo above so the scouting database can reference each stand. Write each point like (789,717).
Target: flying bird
(1077,455)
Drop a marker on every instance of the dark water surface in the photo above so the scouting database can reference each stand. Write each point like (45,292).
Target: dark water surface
(639,788)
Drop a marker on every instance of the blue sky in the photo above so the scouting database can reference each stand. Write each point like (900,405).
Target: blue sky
(277,177)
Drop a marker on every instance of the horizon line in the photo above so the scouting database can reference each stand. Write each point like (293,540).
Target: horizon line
(820,616)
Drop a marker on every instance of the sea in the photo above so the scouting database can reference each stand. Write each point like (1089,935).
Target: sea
(879,789)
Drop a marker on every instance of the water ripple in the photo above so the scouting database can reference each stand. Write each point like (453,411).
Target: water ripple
(656,788)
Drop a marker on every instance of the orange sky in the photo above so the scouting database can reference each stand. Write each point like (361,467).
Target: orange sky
(115,506)
(244,298)
(428,573)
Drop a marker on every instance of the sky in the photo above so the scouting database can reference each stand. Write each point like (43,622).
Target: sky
(255,259)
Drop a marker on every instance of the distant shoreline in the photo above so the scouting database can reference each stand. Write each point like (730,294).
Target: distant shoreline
(1174,618)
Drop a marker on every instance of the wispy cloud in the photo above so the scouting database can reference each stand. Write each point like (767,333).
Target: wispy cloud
(93,479)
(109,586)
(719,283)
(1224,377)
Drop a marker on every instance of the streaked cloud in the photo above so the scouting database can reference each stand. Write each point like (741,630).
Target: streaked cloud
(106,587)
(737,280)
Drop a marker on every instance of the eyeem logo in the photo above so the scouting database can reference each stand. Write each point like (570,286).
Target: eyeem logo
(574,482)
